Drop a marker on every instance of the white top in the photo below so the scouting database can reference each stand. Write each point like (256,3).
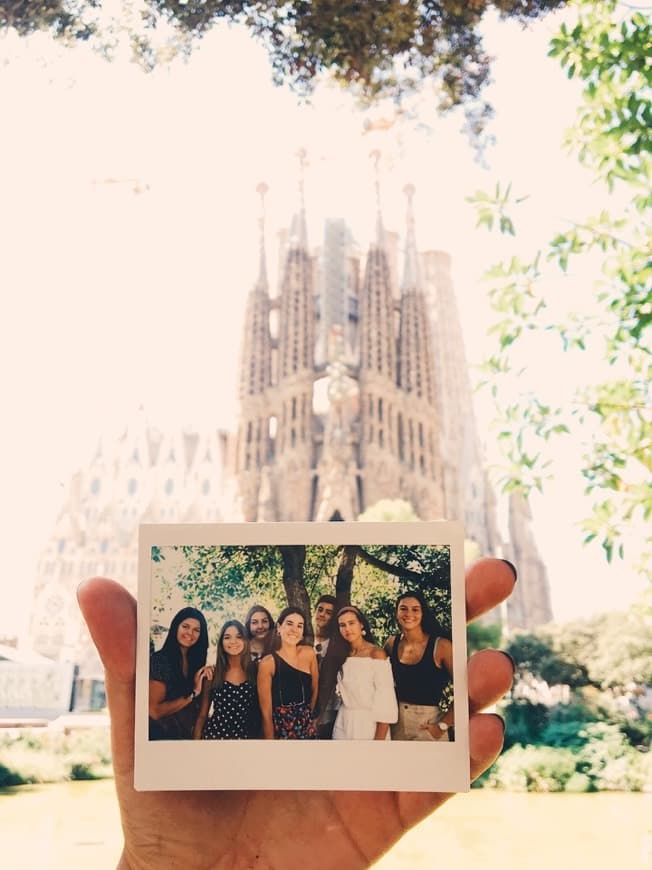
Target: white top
(366,687)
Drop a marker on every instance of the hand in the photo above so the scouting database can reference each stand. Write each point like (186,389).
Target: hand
(272,829)
(203,673)
(434,730)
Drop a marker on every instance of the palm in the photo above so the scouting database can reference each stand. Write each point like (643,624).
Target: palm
(268,829)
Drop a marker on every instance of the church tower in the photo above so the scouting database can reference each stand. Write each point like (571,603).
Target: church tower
(379,398)
(252,443)
(529,605)
(466,489)
(296,360)
(418,423)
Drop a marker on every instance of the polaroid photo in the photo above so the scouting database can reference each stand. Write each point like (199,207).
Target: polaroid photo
(302,656)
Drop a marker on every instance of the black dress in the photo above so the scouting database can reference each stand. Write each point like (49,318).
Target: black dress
(233,708)
(176,726)
(291,693)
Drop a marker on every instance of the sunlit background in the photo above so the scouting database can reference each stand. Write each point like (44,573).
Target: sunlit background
(129,242)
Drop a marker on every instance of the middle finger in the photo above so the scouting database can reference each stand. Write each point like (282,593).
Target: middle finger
(491,674)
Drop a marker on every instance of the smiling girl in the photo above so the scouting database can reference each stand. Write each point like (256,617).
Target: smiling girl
(288,681)
(364,681)
(422,663)
(259,627)
(233,692)
(176,674)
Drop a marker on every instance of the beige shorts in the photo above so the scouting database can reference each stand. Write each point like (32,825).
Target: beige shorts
(411,721)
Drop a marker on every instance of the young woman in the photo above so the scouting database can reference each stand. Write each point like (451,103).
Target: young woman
(288,681)
(422,664)
(364,681)
(176,674)
(260,632)
(233,691)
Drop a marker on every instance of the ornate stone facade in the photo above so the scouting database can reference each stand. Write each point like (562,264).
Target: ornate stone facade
(361,393)
(144,476)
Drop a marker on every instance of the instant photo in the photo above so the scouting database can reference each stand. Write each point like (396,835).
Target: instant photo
(302,656)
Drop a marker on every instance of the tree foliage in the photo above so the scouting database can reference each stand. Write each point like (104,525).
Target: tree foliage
(608,651)
(608,50)
(536,656)
(389,510)
(228,579)
(382,48)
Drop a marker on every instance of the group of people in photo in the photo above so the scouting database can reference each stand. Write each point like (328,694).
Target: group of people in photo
(269,682)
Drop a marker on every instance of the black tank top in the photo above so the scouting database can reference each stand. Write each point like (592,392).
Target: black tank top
(289,684)
(422,682)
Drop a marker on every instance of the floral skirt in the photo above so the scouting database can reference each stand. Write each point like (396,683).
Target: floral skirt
(294,722)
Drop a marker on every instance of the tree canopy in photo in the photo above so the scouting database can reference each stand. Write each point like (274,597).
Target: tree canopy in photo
(215,579)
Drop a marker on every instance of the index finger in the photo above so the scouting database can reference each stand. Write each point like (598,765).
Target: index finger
(488,582)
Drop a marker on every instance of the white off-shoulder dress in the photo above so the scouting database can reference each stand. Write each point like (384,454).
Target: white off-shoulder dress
(366,689)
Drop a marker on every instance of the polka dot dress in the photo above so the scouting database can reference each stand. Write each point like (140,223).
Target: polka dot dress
(232,707)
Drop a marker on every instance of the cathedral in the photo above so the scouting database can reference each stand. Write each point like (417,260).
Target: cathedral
(353,388)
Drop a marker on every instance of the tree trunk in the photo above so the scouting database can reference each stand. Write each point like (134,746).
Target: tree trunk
(294,558)
(345,576)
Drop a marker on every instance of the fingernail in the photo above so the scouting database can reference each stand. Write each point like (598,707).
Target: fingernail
(500,719)
(511,658)
(514,571)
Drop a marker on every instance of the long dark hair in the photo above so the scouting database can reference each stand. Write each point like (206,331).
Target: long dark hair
(429,622)
(196,653)
(222,663)
(288,611)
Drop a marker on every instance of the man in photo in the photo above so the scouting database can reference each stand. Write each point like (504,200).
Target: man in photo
(324,624)
(328,704)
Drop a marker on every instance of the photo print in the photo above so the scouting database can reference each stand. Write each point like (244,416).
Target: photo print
(302,656)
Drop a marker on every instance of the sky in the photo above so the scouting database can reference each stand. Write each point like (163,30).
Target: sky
(128,219)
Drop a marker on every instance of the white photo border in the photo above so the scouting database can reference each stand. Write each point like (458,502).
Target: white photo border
(296,764)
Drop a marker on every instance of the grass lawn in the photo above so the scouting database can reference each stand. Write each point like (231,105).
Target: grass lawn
(56,827)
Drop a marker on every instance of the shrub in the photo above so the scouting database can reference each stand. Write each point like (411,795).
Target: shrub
(571,735)
(52,756)
(579,783)
(9,777)
(611,763)
(533,768)
(524,722)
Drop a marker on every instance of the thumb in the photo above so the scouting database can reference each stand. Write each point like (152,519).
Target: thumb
(110,614)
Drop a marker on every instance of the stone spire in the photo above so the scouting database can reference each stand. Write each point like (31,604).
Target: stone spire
(416,364)
(255,363)
(530,605)
(262,282)
(295,370)
(377,338)
(380,229)
(296,300)
(298,227)
(411,271)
